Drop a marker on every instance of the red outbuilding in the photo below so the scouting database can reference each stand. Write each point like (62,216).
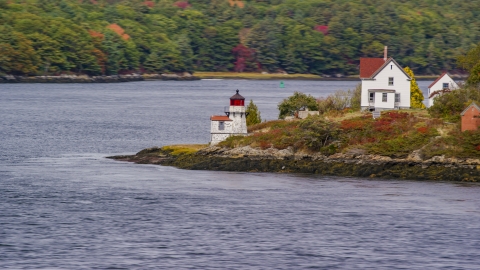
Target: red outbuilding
(471,117)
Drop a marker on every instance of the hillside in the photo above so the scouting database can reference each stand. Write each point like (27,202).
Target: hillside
(99,37)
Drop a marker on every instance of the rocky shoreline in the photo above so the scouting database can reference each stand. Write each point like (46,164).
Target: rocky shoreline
(247,159)
(97,79)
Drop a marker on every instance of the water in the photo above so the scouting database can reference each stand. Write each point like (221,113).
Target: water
(64,206)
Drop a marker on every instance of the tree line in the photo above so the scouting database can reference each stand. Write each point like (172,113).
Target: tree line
(108,37)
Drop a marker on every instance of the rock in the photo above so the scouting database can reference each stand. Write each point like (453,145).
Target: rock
(415,156)
(438,159)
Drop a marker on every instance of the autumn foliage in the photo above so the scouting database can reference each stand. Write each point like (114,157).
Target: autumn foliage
(119,30)
(182,4)
(149,4)
(244,59)
(322,29)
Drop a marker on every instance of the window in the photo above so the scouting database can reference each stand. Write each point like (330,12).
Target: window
(445,86)
(391,67)
(390,80)
(397,97)
(372,97)
(221,125)
(384,97)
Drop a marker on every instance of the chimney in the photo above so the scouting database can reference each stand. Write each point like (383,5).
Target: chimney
(385,51)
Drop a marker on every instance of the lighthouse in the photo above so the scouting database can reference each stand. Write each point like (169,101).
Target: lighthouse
(232,123)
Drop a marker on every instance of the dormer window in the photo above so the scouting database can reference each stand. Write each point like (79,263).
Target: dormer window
(445,86)
(390,81)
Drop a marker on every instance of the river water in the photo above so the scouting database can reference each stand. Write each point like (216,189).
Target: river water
(63,205)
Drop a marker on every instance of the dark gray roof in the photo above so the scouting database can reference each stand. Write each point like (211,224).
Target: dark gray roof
(237,96)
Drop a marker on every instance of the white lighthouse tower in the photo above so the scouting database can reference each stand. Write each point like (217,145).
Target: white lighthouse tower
(234,123)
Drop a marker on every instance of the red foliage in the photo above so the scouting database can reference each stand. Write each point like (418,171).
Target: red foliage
(322,28)
(422,130)
(396,115)
(351,124)
(477,148)
(245,58)
(182,4)
(264,145)
(382,125)
(149,4)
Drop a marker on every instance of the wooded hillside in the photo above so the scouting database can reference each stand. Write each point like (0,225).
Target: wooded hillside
(312,36)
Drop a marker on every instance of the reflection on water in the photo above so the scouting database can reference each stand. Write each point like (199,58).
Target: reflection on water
(64,206)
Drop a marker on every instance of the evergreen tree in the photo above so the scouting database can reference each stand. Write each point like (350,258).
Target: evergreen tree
(416,95)
(253,116)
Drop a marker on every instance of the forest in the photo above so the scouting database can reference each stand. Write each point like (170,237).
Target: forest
(325,37)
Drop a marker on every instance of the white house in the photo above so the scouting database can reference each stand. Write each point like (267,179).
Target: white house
(233,123)
(441,85)
(385,85)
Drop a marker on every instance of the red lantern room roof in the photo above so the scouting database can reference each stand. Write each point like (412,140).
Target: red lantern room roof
(237,96)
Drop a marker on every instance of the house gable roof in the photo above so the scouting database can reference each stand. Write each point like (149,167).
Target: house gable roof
(386,64)
(368,66)
(438,79)
(469,106)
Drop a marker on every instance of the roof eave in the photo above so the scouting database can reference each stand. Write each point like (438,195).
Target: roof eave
(466,109)
(385,64)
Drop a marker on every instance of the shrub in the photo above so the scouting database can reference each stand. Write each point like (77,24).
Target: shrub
(296,102)
(316,133)
(340,100)
(449,106)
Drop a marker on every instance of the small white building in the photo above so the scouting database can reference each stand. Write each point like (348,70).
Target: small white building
(441,85)
(233,123)
(305,113)
(385,85)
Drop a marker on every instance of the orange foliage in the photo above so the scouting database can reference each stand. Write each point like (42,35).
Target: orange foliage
(96,34)
(239,3)
(119,30)
(101,59)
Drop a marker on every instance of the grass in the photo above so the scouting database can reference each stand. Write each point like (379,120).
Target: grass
(182,149)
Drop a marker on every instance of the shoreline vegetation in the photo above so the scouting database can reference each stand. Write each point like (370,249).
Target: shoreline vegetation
(181,77)
(350,164)
(406,144)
